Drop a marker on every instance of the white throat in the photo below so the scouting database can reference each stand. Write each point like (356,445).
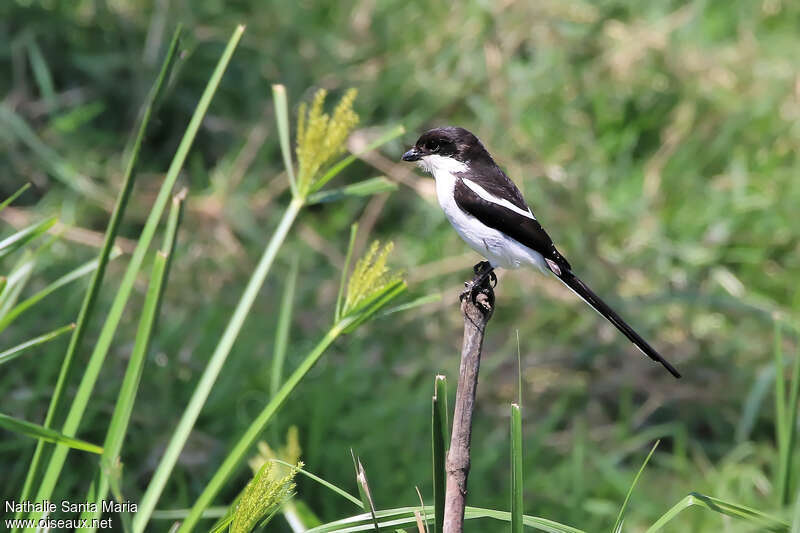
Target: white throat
(438,165)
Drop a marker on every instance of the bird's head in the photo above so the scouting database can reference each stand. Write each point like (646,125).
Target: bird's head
(445,147)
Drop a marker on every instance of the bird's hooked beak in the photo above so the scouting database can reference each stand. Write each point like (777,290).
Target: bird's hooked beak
(412,155)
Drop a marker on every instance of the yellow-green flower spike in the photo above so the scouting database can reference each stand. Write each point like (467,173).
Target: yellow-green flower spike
(261,498)
(370,276)
(321,137)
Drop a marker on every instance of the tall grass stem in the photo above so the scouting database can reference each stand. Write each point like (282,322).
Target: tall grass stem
(284,324)
(516,469)
(440,433)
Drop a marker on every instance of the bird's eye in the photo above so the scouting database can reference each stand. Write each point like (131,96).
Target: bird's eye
(433,146)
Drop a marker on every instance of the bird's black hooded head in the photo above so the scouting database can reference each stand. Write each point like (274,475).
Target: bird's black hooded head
(458,143)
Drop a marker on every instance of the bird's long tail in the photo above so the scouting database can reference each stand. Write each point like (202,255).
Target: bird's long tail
(587,295)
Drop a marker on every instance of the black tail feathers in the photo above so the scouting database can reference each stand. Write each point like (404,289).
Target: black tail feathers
(587,295)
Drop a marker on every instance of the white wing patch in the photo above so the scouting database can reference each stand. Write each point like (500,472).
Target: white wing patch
(489,197)
(553,266)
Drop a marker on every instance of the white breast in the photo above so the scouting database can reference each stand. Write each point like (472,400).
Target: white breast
(500,250)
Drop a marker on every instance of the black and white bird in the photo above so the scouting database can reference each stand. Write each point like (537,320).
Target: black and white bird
(490,214)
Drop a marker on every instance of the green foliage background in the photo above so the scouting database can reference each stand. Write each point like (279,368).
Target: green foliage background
(656,140)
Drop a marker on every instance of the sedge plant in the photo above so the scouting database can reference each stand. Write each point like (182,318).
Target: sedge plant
(89,378)
(369,288)
(320,142)
(91,296)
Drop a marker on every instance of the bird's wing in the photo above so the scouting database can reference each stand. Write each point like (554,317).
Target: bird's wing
(491,178)
(502,211)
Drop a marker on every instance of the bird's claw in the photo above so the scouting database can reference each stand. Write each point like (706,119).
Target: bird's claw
(468,292)
(483,272)
(481,267)
(471,291)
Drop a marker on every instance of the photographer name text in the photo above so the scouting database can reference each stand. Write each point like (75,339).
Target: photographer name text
(66,506)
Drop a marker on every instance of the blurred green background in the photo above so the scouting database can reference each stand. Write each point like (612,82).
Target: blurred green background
(657,142)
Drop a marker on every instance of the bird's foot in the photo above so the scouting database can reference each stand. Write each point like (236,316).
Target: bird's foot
(483,282)
(483,270)
(479,268)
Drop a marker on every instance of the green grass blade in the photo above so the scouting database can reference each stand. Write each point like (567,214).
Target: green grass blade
(171,232)
(282,119)
(14,242)
(41,73)
(282,333)
(516,469)
(404,516)
(780,393)
(90,299)
(5,203)
(16,351)
(180,514)
(621,515)
(364,491)
(221,525)
(765,521)
(21,274)
(115,314)
(367,187)
(16,281)
(123,408)
(791,420)
(214,366)
(237,454)
(66,279)
(345,272)
(542,524)
(116,491)
(344,163)
(440,435)
(327,484)
(36,431)
(519,372)
(783,426)
(416,302)
(796,515)
(754,403)
(56,165)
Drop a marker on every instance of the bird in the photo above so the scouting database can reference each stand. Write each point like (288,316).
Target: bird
(489,213)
